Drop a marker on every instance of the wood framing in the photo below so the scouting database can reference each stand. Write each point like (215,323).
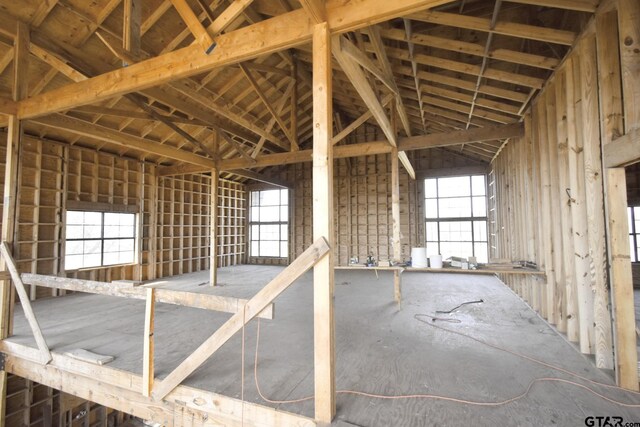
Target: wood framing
(249,310)
(166,296)
(323,275)
(263,37)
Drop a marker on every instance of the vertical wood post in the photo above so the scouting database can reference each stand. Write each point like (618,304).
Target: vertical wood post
(10,202)
(395,206)
(147,358)
(609,76)
(213,222)
(323,274)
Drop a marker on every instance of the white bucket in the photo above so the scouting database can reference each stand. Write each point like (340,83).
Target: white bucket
(419,257)
(435,261)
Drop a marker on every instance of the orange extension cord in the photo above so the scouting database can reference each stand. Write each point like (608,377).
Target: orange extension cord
(452,399)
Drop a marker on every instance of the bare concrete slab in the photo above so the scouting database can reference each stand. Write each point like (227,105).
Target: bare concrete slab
(381,348)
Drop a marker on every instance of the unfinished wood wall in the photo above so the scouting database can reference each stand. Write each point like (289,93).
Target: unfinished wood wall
(30,404)
(362,201)
(183,223)
(173,220)
(551,194)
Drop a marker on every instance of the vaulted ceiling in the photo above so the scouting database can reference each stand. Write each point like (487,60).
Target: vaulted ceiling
(459,66)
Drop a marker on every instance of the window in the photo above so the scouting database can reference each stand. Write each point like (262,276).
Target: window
(95,239)
(269,223)
(634,233)
(456,216)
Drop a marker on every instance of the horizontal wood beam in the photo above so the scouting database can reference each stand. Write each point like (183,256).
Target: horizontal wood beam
(531,32)
(271,35)
(462,137)
(472,49)
(81,127)
(578,5)
(623,151)
(8,106)
(167,296)
(444,139)
(261,178)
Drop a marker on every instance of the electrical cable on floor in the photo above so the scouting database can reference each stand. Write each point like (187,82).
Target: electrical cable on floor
(452,399)
(480,301)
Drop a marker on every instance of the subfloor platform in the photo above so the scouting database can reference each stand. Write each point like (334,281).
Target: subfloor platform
(381,348)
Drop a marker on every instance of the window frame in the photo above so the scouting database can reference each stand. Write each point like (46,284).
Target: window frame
(438,220)
(102,238)
(279,223)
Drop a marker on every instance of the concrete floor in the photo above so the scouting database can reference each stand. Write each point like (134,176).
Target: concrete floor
(381,348)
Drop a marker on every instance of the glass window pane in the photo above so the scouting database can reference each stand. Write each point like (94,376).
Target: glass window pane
(480,206)
(269,214)
(255,232)
(111,219)
(284,232)
(92,231)
(284,213)
(454,186)
(75,217)
(431,231)
(480,231)
(73,262)
(255,245)
(270,198)
(431,208)
(477,185)
(268,248)
(254,214)
(459,249)
(284,249)
(481,252)
(92,246)
(284,197)
(455,231)
(632,247)
(255,198)
(458,207)
(111,258)
(630,219)
(91,260)
(74,247)
(430,188)
(74,232)
(93,218)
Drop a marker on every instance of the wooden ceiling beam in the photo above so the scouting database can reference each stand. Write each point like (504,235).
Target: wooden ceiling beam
(577,5)
(381,54)
(468,99)
(467,85)
(271,35)
(476,49)
(103,133)
(454,106)
(202,37)
(367,63)
(466,68)
(315,9)
(447,139)
(256,87)
(531,32)
(8,106)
